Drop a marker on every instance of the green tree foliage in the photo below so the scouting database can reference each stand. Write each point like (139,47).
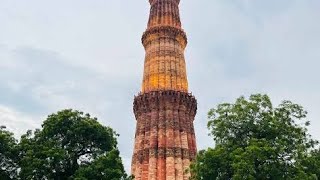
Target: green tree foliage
(69,145)
(108,167)
(312,163)
(8,166)
(255,140)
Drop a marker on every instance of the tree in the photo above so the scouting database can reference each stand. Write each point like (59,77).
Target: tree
(312,162)
(108,167)
(68,144)
(8,166)
(254,140)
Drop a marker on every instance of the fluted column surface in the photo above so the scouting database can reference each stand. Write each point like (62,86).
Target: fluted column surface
(165,143)
(164,42)
(165,136)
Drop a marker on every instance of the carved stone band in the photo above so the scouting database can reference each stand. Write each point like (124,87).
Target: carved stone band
(158,100)
(175,152)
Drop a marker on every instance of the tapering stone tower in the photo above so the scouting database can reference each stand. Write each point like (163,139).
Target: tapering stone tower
(165,139)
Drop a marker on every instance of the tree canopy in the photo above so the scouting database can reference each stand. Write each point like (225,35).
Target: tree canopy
(70,145)
(8,164)
(254,140)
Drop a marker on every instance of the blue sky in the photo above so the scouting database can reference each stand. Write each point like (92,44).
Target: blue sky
(87,55)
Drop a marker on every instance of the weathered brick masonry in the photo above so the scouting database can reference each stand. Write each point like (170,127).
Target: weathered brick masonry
(165,142)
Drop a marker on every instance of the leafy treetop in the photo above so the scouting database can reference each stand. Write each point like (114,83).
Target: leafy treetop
(255,140)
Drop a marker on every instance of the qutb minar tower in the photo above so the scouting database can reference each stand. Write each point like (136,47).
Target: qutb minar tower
(165,141)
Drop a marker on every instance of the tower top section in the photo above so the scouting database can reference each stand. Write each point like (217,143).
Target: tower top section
(153,1)
(164,41)
(164,13)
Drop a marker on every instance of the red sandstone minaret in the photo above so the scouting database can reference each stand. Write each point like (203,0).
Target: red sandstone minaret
(165,141)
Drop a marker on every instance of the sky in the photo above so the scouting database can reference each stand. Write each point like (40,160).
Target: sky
(87,55)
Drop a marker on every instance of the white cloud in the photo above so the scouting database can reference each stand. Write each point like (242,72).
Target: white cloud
(17,122)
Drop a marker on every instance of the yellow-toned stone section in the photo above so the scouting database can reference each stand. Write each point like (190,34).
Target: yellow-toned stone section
(165,67)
